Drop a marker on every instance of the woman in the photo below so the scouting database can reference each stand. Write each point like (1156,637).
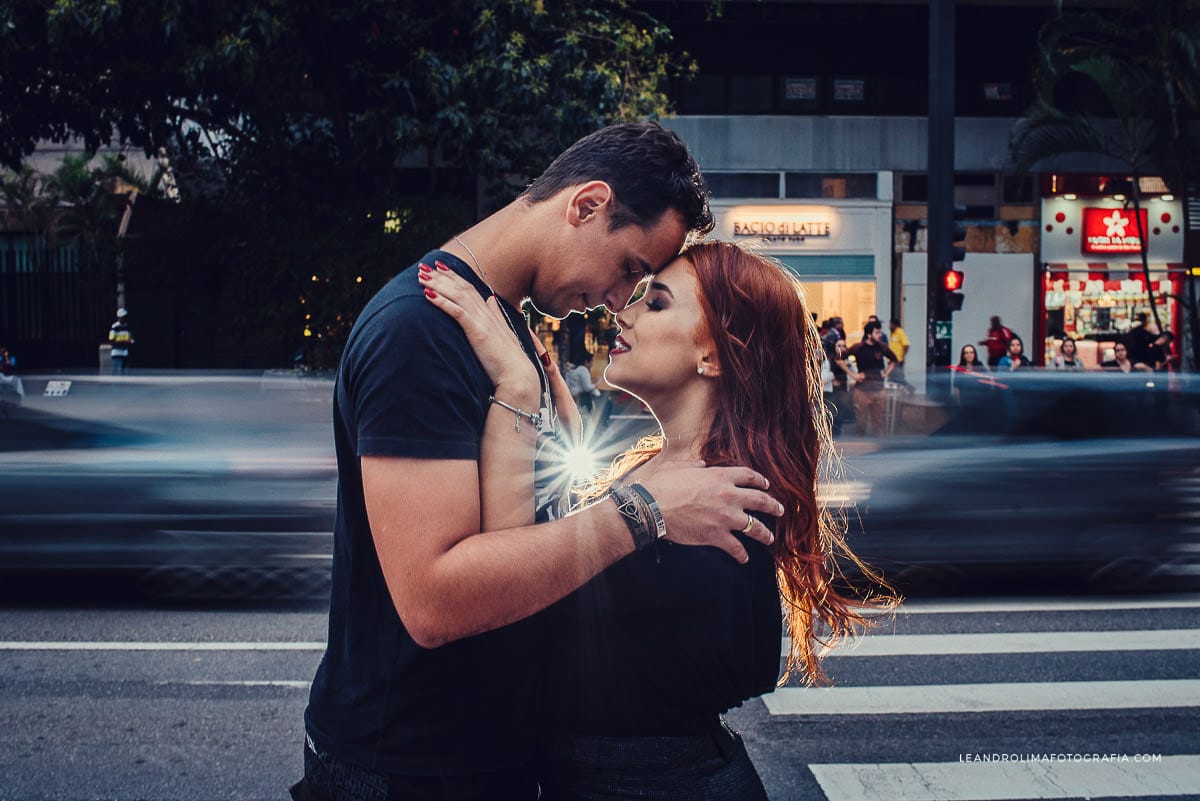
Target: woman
(843,369)
(651,652)
(579,380)
(970,377)
(1015,359)
(1068,356)
(1120,361)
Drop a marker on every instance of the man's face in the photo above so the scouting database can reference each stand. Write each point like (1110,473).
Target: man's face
(603,267)
(877,335)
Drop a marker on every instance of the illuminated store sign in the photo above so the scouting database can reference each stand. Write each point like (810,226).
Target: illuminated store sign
(1112,231)
(780,230)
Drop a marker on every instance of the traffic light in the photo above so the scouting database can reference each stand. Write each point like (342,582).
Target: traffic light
(950,298)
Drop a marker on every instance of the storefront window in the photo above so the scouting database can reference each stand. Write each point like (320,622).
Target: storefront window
(1099,307)
(853,301)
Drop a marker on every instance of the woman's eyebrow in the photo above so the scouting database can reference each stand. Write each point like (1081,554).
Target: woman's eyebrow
(660,286)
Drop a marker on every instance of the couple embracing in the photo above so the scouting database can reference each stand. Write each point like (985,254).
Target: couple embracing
(476,651)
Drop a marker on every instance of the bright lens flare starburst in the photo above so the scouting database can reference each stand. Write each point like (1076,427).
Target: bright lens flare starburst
(572,465)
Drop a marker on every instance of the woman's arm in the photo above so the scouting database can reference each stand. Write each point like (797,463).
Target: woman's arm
(506,452)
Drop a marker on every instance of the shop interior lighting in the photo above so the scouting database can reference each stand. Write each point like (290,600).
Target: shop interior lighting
(1167,197)
(1119,197)
(1070,196)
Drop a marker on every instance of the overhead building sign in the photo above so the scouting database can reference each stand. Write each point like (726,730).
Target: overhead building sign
(1112,231)
(780,230)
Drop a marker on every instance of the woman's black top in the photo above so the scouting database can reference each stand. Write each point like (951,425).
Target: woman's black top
(663,641)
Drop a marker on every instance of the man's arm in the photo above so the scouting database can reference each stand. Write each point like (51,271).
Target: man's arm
(448,581)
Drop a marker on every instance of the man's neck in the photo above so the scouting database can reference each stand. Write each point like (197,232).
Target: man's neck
(498,249)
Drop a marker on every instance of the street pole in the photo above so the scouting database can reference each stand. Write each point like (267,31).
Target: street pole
(122,229)
(940,214)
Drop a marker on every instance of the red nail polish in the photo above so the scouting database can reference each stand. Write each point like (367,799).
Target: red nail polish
(441,266)
(429,293)
(423,267)
(424,276)
(545,357)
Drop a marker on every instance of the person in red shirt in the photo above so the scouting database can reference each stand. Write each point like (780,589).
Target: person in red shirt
(998,337)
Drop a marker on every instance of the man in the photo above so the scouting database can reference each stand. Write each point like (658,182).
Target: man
(998,337)
(899,345)
(426,688)
(1139,339)
(871,357)
(120,337)
(1156,356)
(874,318)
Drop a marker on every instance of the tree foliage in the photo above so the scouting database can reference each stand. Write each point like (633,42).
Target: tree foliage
(304,123)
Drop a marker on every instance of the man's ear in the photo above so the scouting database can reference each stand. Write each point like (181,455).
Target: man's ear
(588,200)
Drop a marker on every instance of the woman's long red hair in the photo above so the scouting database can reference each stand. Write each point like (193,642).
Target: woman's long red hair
(771,416)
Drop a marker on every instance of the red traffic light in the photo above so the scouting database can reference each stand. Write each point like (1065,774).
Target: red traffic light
(952,280)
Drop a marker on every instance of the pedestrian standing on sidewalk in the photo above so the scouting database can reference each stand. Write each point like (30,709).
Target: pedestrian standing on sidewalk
(649,654)
(121,338)
(874,361)
(427,685)
(899,345)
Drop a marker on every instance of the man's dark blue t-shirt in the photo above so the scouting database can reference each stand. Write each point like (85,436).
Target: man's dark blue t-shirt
(409,385)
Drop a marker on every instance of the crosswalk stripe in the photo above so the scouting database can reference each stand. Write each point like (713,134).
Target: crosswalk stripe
(941,607)
(1020,642)
(121,645)
(996,697)
(969,781)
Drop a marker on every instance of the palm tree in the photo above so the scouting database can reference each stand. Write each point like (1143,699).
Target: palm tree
(1142,68)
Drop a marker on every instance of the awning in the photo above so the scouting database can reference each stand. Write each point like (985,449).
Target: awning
(1114,268)
(829,267)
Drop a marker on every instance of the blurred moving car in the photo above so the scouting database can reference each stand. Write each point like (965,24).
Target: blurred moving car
(1045,479)
(190,485)
(225,485)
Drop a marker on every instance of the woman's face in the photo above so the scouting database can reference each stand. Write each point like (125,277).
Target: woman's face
(661,344)
(839,348)
(1119,352)
(1068,347)
(969,354)
(1015,347)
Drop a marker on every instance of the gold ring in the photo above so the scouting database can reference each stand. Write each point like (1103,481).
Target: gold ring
(749,524)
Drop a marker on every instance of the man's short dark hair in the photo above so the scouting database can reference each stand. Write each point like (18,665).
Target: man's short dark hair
(871,327)
(647,166)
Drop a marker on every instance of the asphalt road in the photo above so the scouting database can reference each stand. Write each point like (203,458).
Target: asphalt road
(133,701)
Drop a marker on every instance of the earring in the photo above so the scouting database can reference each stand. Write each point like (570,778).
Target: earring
(699,371)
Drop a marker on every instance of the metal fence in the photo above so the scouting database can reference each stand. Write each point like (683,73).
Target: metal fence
(52,312)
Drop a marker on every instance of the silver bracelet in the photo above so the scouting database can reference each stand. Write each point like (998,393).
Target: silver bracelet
(535,419)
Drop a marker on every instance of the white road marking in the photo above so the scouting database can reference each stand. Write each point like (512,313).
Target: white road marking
(288,683)
(66,645)
(1021,642)
(955,781)
(941,607)
(995,697)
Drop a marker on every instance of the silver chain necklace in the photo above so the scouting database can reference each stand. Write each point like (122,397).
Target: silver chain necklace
(547,405)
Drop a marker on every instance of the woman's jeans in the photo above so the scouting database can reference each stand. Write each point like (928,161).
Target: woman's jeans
(706,767)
